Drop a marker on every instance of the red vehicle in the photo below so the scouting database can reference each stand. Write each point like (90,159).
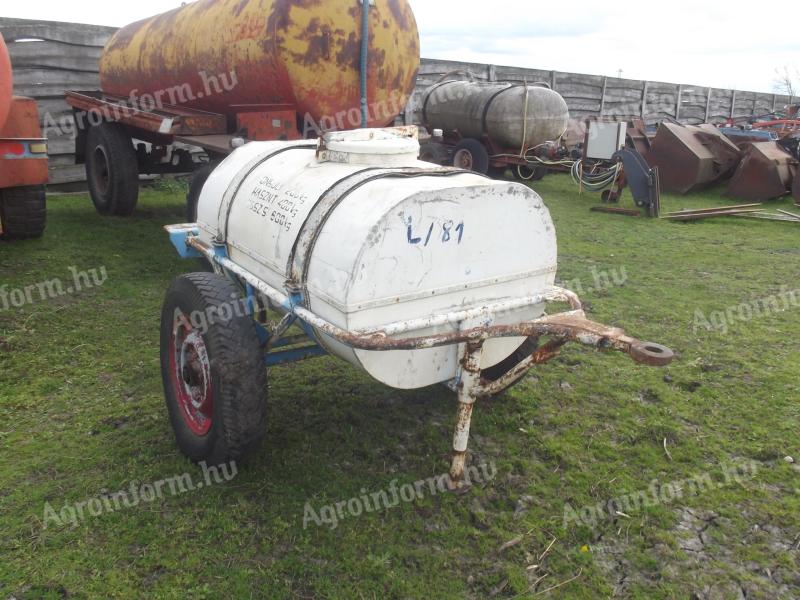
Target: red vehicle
(23,161)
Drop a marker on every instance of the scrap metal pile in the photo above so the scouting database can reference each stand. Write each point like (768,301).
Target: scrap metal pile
(758,160)
(693,157)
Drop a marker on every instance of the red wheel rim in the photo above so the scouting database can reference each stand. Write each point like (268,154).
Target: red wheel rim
(190,371)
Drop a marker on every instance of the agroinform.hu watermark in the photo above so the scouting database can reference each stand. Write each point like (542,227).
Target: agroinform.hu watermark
(52,288)
(137,493)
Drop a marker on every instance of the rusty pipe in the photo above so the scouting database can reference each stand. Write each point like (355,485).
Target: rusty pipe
(569,326)
(469,382)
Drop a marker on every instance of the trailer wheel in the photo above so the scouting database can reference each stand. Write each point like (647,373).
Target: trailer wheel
(531,173)
(23,212)
(112,170)
(494,373)
(432,152)
(497,172)
(215,381)
(199,179)
(470,154)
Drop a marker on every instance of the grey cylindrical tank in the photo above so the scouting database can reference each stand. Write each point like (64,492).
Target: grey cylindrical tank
(496,110)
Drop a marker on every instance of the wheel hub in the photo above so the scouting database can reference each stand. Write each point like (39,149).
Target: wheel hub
(101,169)
(190,369)
(463,159)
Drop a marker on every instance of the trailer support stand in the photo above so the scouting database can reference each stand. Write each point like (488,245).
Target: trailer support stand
(468,385)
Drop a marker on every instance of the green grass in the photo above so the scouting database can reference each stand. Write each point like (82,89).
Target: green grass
(82,413)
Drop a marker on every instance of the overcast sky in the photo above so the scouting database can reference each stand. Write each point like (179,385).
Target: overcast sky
(717,43)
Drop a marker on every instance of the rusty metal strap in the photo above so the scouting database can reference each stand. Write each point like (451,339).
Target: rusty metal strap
(300,258)
(307,223)
(428,95)
(232,192)
(490,101)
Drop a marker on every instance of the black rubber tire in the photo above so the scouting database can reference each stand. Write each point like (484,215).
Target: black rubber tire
(494,373)
(610,196)
(497,172)
(478,153)
(536,173)
(238,373)
(112,170)
(199,179)
(23,212)
(195,187)
(435,153)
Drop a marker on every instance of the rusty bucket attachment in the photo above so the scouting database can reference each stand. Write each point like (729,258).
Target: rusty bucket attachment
(690,157)
(767,171)
(637,137)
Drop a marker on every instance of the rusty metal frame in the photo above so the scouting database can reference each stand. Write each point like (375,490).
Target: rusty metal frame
(168,120)
(474,328)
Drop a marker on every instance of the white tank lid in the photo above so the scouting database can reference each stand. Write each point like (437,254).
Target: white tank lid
(390,146)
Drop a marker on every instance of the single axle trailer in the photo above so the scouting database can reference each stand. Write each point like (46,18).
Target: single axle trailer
(415,274)
(190,375)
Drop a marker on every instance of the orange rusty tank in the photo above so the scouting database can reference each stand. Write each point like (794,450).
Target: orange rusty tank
(225,56)
(6,82)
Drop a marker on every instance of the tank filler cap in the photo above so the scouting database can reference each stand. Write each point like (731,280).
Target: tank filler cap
(389,146)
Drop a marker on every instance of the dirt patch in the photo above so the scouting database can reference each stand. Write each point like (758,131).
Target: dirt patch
(704,555)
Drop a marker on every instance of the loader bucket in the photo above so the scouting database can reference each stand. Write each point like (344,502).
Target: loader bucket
(690,157)
(766,172)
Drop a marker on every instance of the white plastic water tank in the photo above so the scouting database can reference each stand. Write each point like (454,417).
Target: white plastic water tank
(373,236)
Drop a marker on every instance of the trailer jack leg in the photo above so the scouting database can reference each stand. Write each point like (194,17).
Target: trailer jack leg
(467,388)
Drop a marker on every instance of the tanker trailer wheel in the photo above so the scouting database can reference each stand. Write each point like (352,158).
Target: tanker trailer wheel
(212,368)
(531,173)
(470,154)
(497,172)
(193,197)
(23,212)
(494,373)
(112,169)
(432,152)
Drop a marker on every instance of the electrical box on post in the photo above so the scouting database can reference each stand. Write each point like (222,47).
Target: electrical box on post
(603,139)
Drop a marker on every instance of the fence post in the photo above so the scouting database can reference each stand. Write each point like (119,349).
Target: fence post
(678,104)
(603,96)
(708,104)
(553,78)
(644,99)
(492,73)
(733,103)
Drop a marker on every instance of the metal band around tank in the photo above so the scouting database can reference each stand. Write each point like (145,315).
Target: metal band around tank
(491,100)
(305,226)
(300,259)
(233,189)
(428,95)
